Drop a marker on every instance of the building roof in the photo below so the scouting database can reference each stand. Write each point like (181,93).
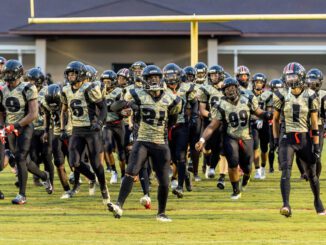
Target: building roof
(92,8)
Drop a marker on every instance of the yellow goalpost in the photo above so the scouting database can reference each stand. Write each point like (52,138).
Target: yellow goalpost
(192,19)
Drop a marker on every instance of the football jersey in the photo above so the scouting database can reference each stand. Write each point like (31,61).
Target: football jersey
(39,121)
(82,103)
(115,95)
(55,119)
(186,92)
(154,114)
(102,87)
(322,110)
(209,94)
(296,109)
(236,117)
(15,101)
(265,100)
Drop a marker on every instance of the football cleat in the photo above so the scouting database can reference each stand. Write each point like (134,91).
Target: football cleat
(235,196)
(178,192)
(322,213)
(211,173)
(19,199)
(92,187)
(145,201)
(115,209)
(197,178)
(188,182)
(163,218)
(47,184)
(258,174)
(75,189)
(67,195)
(244,184)
(271,170)
(220,183)
(286,211)
(174,184)
(263,173)
(190,167)
(114,178)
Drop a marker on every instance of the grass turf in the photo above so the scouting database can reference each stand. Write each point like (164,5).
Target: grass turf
(204,216)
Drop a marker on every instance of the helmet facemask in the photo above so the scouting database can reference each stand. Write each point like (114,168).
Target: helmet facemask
(231,93)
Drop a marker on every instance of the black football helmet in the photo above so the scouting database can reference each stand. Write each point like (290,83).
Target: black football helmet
(172,74)
(37,76)
(12,71)
(149,81)
(259,77)
(276,84)
(111,76)
(314,79)
(91,73)
(231,94)
(190,73)
(201,72)
(242,70)
(52,97)
(216,69)
(294,75)
(78,68)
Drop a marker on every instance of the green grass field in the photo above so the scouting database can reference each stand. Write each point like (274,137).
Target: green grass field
(204,216)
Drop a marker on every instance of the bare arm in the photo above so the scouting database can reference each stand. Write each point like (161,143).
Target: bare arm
(276,124)
(64,110)
(202,109)
(314,125)
(32,113)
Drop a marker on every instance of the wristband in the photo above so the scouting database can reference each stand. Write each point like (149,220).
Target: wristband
(202,140)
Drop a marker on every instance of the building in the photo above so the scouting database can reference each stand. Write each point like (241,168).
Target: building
(263,46)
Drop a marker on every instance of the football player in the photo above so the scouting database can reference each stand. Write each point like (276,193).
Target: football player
(314,81)
(41,151)
(260,127)
(52,108)
(88,112)
(208,95)
(114,130)
(19,101)
(234,109)
(300,111)
(179,132)
(155,107)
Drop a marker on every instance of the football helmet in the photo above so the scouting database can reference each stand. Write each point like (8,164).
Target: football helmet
(259,77)
(52,97)
(201,72)
(276,84)
(78,68)
(152,78)
(172,74)
(294,75)
(12,71)
(111,76)
(190,73)
(314,79)
(230,89)
(37,76)
(216,69)
(91,73)
(239,74)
